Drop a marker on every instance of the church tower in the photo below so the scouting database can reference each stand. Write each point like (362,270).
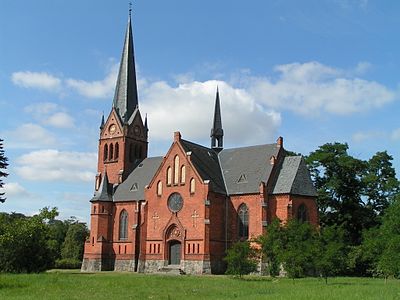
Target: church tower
(217,133)
(123,136)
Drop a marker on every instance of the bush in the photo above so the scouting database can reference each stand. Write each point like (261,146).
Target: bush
(68,263)
(241,259)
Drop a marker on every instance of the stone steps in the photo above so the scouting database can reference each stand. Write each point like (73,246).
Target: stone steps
(170,270)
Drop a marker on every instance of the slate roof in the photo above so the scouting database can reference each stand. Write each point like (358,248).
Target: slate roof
(206,163)
(125,97)
(294,178)
(245,168)
(132,189)
(103,193)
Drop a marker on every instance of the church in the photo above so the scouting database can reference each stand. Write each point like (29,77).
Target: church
(185,209)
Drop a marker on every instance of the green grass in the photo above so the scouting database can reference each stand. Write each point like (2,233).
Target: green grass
(110,285)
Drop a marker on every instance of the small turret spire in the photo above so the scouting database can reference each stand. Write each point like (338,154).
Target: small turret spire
(102,122)
(145,123)
(217,133)
(125,97)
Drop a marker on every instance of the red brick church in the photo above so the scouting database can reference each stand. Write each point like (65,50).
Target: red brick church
(185,209)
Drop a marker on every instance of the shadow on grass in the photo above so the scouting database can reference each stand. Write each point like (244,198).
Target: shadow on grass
(6,285)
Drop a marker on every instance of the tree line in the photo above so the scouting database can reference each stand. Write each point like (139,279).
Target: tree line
(40,242)
(359,232)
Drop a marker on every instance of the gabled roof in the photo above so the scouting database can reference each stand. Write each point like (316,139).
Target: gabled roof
(132,189)
(245,168)
(125,97)
(103,193)
(294,178)
(205,161)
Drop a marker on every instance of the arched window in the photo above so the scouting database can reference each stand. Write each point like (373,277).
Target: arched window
(159,188)
(111,152)
(192,186)
(169,176)
(123,225)
(176,169)
(105,153)
(243,219)
(116,151)
(183,174)
(302,214)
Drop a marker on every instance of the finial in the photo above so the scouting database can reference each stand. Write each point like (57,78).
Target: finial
(130,9)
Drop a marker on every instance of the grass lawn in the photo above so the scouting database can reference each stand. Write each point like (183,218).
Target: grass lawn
(110,285)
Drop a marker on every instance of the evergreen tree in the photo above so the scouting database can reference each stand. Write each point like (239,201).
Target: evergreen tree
(3,166)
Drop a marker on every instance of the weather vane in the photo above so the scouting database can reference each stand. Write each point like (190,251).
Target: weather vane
(130,8)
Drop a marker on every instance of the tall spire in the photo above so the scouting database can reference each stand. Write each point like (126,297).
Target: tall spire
(217,133)
(126,97)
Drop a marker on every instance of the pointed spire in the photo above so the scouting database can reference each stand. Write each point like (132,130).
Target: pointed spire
(102,194)
(125,97)
(217,133)
(102,122)
(145,123)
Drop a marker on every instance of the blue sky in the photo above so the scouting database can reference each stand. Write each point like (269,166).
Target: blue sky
(310,71)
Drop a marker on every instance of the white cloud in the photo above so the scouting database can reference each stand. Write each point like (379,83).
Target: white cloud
(29,136)
(60,120)
(41,109)
(362,136)
(14,189)
(189,108)
(54,165)
(52,114)
(39,80)
(96,89)
(313,88)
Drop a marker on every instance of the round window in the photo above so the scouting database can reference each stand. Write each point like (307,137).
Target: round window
(175,202)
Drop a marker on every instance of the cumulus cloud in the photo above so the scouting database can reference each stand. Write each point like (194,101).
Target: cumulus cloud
(312,88)
(14,189)
(189,108)
(95,89)
(51,114)
(40,109)
(54,165)
(39,80)
(29,136)
(60,120)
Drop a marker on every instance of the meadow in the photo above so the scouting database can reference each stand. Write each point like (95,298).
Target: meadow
(111,285)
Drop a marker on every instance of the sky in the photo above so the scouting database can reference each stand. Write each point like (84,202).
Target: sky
(313,71)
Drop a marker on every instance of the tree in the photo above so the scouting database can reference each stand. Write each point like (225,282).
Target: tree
(389,261)
(298,248)
(331,252)
(23,243)
(73,245)
(338,179)
(271,246)
(381,184)
(241,259)
(3,166)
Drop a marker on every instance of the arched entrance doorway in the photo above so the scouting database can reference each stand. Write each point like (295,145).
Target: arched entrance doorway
(174,255)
